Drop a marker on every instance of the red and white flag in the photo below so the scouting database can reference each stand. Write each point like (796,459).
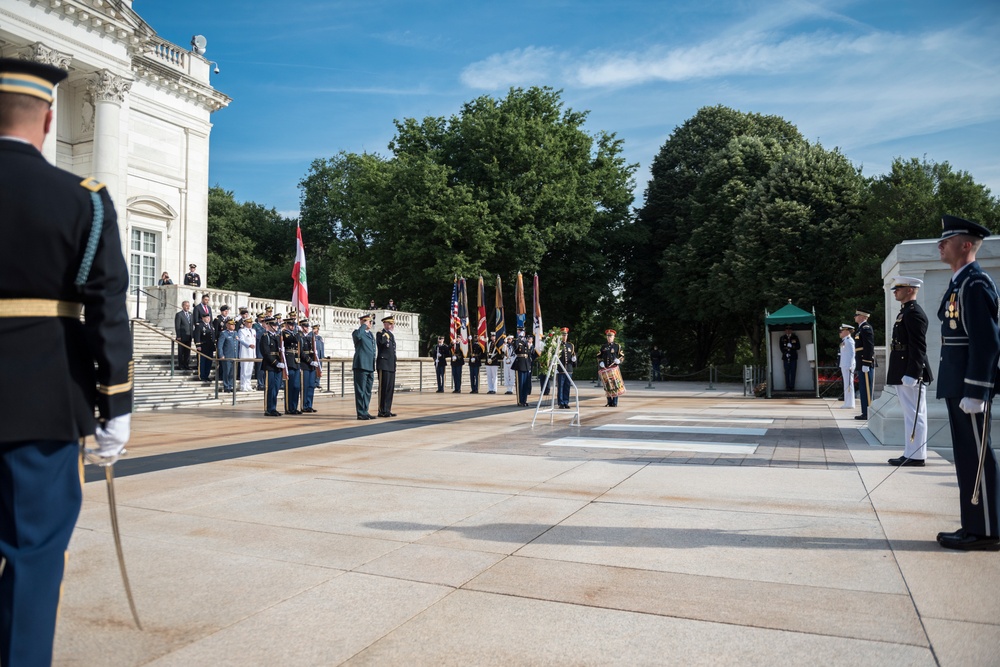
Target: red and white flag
(300,289)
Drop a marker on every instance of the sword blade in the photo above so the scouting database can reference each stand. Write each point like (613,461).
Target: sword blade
(109,475)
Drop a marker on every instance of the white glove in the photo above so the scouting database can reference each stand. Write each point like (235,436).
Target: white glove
(453,357)
(909,381)
(573,359)
(111,438)
(600,365)
(865,369)
(280,365)
(972,406)
(314,363)
(618,362)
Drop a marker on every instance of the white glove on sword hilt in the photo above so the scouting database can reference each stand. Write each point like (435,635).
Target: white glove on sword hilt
(111,437)
(972,406)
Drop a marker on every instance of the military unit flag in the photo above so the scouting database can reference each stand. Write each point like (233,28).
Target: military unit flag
(537,322)
(519,301)
(499,326)
(481,312)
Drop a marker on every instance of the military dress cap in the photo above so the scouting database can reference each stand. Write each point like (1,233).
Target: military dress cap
(223,308)
(192,266)
(364,318)
(389,320)
(26,77)
(610,331)
(952,226)
(269,320)
(304,322)
(315,326)
(269,308)
(862,313)
(565,329)
(848,327)
(230,320)
(905,281)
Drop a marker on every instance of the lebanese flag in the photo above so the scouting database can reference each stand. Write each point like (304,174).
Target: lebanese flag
(300,289)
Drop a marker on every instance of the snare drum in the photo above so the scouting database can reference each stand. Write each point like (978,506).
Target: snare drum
(612,380)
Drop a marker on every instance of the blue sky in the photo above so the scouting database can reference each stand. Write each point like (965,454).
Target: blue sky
(876,78)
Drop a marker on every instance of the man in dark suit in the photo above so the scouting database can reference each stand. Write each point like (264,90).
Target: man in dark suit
(385,364)
(203,309)
(184,328)
(60,368)
(363,366)
(967,380)
(908,370)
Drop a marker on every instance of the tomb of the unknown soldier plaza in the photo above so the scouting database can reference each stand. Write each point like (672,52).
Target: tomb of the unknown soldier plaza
(645,522)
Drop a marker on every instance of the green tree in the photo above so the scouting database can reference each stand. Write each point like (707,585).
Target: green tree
(789,239)
(700,179)
(505,185)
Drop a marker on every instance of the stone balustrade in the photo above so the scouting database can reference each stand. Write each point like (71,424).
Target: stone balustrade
(336,323)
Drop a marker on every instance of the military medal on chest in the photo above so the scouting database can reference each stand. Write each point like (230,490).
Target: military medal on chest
(951,312)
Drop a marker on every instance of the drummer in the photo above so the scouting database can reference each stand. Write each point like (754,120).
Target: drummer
(610,356)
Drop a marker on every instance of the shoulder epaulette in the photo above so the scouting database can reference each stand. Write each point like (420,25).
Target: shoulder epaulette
(92,184)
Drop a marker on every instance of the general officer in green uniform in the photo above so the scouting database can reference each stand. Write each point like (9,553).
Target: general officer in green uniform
(363,366)
(385,364)
(61,257)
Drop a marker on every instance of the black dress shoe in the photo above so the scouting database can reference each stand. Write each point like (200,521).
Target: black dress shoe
(861,417)
(903,461)
(391,414)
(970,542)
(272,413)
(363,418)
(439,391)
(951,536)
(308,410)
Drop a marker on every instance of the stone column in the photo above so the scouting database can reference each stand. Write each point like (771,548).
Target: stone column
(109,92)
(40,53)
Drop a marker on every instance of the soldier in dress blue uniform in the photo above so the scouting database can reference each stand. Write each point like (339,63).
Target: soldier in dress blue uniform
(442,353)
(967,377)
(610,355)
(909,371)
(385,366)
(310,363)
(271,365)
(476,354)
(567,355)
(61,257)
(789,345)
(522,368)
(864,351)
(291,344)
(204,342)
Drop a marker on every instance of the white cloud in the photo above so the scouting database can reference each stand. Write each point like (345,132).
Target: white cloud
(529,65)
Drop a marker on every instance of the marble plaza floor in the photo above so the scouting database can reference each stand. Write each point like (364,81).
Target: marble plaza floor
(685,527)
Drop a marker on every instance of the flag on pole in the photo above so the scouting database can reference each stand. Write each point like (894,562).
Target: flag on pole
(463,316)
(539,343)
(519,301)
(481,311)
(300,289)
(453,313)
(499,326)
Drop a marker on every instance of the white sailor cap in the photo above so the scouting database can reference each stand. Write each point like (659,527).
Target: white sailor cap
(905,281)
(847,327)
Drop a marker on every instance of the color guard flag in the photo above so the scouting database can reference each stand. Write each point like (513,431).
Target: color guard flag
(481,311)
(499,326)
(453,314)
(463,316)
(519,301)
(300,289)
(539,334)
